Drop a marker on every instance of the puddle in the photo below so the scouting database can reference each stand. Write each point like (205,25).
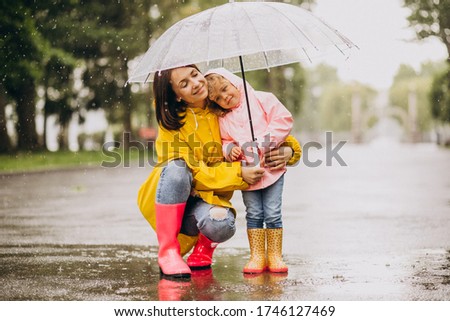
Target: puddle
(121,272)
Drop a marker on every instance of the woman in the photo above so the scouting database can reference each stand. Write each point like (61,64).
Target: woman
(188,193)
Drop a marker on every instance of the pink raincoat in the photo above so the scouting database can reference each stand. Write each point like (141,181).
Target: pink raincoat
(269,117)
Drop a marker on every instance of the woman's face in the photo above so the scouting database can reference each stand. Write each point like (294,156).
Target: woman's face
(189,85)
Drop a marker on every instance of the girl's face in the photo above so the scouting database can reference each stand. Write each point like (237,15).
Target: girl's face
(189,85)
(225,94)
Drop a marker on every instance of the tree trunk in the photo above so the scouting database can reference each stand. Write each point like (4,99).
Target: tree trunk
(126,101)
(5,141)
(44,134)
(63,137)
(26,126)
(127,109)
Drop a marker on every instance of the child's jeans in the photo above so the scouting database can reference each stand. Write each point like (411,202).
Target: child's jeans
(264,206)
(175,186)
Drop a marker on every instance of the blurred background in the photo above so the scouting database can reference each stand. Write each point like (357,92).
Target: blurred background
(65,64)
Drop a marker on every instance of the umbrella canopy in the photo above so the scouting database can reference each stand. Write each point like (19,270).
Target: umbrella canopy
(263,34)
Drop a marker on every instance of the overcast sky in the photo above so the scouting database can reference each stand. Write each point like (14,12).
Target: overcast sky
(380,29)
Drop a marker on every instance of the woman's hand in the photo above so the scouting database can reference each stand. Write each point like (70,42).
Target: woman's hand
(252,175)
(277,158)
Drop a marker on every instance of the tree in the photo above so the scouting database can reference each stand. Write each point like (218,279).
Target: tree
(430,18)
(409,82)
(5,142)
(21,53)
(440,100)
(60,97)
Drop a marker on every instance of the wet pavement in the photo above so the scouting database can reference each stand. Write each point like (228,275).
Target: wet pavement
(377,229)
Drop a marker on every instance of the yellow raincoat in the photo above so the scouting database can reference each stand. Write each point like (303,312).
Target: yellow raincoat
(198,143)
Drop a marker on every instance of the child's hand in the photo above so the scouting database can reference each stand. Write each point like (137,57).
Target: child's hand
(235,153)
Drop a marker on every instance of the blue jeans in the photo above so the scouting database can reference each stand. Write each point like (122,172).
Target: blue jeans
(174,187)
(264,206)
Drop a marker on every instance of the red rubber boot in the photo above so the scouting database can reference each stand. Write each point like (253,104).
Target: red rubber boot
(201,257)
(168,224)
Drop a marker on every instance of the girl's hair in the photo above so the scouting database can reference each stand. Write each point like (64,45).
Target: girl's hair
(169,111)
(214,79)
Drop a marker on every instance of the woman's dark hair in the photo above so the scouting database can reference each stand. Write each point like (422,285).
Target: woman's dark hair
(169,111)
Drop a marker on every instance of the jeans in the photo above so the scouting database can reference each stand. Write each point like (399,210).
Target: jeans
(215,222)
(264,206)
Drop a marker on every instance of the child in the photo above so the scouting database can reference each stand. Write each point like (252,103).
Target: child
(272,123)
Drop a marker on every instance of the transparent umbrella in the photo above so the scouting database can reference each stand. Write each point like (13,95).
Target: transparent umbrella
(256,35)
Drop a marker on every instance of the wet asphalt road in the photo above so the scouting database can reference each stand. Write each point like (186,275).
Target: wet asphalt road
(377,229)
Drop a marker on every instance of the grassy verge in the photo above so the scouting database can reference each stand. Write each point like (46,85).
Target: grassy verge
(28,162)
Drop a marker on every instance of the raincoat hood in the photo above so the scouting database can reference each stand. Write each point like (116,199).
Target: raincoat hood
(235,80)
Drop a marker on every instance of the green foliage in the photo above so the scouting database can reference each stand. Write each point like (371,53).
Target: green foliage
(404,73)
(430,18)
(20,51)
(440,97)
(408,82)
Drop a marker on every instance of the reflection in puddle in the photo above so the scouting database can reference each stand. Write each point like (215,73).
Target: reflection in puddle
(172,290)
(204,286)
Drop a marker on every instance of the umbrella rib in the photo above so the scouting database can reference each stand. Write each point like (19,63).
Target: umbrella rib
(328,37)
(262,46)
(146,78)
(292,23)
(209,31)
(309,58)
(345,40)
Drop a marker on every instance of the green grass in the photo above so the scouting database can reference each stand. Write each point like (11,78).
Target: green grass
(36,161)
